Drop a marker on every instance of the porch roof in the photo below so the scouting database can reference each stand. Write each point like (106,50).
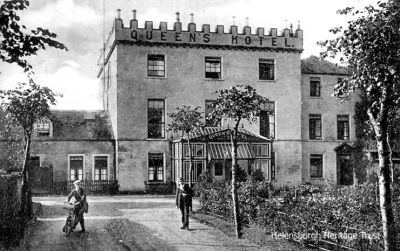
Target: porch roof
(222,151)
(219,133)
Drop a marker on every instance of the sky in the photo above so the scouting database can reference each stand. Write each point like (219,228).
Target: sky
(79,25)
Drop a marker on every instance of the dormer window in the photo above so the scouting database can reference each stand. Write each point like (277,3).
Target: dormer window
(43,128)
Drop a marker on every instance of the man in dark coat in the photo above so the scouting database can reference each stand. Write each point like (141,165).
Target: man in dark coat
(184,202)
(80,205)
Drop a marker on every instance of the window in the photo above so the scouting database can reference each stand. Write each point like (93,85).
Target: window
(156,118)
(43,127)
(343,132)
(342,94)
(156,65)
(76,167)
(260,150)
(315,126)
(262,165)
(197,169)
(100,168)
(267,120)
(315,87)
(218,169)
(316,166)
(197,150)
(213,67)
(266,69)
(156,167)
(211,122)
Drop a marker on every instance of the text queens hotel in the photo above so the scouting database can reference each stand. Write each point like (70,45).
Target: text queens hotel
(148,72)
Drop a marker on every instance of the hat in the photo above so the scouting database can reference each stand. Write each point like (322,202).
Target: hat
(77,182)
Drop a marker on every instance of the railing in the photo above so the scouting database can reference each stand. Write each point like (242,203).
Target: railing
(90,186)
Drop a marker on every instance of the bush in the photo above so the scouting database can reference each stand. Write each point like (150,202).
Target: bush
(12,218)
(325,214)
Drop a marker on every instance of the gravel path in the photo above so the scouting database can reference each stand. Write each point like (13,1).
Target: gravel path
(127,223)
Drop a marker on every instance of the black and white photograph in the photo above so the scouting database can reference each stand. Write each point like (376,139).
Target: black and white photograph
(184,125)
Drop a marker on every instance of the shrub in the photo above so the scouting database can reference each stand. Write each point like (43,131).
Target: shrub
(12,219)
(328,214)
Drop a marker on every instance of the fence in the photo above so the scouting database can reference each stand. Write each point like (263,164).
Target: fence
(90,186)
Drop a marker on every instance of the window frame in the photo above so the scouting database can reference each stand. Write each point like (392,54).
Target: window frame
(94,166)
(163,118)
(260,75)
(271,115)
(40,131)
(195,147)
(164,66)
(311,118)
(344,130)
(220,77)
(320,173)
(315,80)
(83,165)
(155,174)
(260,145)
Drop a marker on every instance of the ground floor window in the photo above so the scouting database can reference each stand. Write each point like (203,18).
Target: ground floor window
(76,167)
(197,169)
(100,168)
(316,166)
(156,167)
(264,166)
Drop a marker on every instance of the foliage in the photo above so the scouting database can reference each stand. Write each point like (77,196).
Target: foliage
(12,221)
(100,128)
(238,102)
(348,215)
(28,103)
(185,120)
(370,47)
(16,43)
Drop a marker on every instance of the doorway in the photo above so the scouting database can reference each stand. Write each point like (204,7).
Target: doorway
(345,172)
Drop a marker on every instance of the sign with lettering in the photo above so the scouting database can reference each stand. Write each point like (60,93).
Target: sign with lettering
(286,40)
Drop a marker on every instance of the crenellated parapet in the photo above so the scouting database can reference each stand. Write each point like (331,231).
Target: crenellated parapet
(220,37)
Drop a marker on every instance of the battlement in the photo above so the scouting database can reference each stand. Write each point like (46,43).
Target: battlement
(287,40)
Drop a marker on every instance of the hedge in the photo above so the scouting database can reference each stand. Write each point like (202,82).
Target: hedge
(313,215)
(12,219)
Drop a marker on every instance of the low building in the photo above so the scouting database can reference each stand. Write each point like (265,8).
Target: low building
(70,145)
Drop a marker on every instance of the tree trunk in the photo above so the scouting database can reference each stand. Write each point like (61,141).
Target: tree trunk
(385,197)
(26,198)
(190,162)
(235,199)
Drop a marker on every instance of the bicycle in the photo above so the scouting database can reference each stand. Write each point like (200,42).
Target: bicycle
(69,223)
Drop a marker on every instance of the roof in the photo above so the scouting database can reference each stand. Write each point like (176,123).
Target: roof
(220,133)
(81,125)
(314,65)
(218,151)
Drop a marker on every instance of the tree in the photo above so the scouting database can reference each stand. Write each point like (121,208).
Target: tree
(25,105)
(15,42)
(238,103)
(185,121)
(370,47)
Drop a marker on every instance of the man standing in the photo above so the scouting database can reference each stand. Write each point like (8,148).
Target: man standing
(184,202)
